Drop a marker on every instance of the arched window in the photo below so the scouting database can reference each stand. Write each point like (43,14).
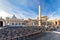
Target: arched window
(12,23)
(23,23)
(1,23)
(56,23)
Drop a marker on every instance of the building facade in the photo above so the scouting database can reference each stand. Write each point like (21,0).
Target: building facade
(55,22)
(15,21)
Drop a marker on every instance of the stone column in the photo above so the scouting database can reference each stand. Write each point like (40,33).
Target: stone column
(54,22)
(57,22)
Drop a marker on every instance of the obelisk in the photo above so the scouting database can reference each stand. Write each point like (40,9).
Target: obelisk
(39,16)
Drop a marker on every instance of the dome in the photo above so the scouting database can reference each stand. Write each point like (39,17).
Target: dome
(13,17)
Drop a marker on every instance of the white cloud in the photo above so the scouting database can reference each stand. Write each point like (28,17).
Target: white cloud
(8,9)
(4,14)
(53,16)
(22,14)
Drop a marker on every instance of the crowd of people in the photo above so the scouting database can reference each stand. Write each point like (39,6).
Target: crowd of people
(14,32)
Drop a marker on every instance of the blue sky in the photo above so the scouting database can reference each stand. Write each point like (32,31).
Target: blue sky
(29,8)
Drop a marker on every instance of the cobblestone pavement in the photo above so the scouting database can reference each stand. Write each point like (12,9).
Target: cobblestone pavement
(53,35)
(15,33)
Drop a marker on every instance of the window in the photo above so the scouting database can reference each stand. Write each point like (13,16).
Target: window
(56,23)
(23,23)
(12,23)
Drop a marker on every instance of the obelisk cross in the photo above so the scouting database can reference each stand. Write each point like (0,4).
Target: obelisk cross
(39,16)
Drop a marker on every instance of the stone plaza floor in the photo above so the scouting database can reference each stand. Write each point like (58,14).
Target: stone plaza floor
(53,35)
